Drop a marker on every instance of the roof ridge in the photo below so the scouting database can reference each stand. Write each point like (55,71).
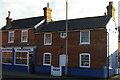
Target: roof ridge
(80,18)
(28,18)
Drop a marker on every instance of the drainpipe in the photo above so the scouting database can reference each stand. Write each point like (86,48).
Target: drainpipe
(108,54)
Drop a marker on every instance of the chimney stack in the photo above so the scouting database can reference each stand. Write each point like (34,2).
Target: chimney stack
(8,20)
(111,10)
(47,13)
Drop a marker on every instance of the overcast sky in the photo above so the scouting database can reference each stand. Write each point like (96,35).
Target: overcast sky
(33,8)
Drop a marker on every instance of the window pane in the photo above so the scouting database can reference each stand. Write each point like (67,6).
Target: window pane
(85,60)
(11,36)
(84,36)
(47,59)
(9,54)
(18,61)
(21,61)
(47,38)
(6,60)
(6,57)
(24,61)
(24,36)
(21,58)
(25,33)
(4,54)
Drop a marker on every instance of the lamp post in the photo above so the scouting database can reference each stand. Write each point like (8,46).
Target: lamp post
(66,66)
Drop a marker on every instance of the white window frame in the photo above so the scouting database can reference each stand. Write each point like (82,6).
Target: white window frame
(9,37)
(63,35)
(81,61)
(81,37)
(27,59)
(22,35)
(45,39)
(44,59)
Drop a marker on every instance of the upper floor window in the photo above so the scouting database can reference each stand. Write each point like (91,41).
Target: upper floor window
(85,60)
(85,37)
(48,39)
(11,37)
(24,37)
(47,59)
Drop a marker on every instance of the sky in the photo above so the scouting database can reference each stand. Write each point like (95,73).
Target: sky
(33,8)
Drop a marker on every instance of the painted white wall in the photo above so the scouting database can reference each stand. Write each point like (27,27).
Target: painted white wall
(112,36)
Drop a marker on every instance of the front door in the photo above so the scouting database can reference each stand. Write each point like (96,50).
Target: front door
(62,60)
(57,71)
(30,63)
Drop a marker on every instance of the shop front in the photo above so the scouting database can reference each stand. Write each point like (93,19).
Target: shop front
(17,59)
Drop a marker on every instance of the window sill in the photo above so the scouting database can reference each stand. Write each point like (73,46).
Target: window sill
(85,66)
(24,41)
(11,42)
(85,43)
(47,44)
(20,64)
(7,63)
(46,64)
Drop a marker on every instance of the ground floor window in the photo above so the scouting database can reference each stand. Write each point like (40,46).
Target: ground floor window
(85,60)
(21,58)
(7,57)
(47,59)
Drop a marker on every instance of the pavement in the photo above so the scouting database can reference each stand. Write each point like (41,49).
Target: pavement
(20,75)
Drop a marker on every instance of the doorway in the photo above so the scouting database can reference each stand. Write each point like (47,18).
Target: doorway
(31,64)
(62,60)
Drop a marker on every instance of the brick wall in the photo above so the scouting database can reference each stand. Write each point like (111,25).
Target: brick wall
(97,48)
(4,37)
(119,52)
(17,38)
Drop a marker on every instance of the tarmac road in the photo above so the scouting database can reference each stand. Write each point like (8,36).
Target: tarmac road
(19,75)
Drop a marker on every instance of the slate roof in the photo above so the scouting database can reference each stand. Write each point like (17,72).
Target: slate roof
(25,23)
(75,24)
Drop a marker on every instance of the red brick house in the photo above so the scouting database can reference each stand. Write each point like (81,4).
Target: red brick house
(87,38)
(91,49)
(18,42)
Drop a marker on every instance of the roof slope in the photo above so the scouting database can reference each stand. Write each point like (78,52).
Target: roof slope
(25,23)
(75,24)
